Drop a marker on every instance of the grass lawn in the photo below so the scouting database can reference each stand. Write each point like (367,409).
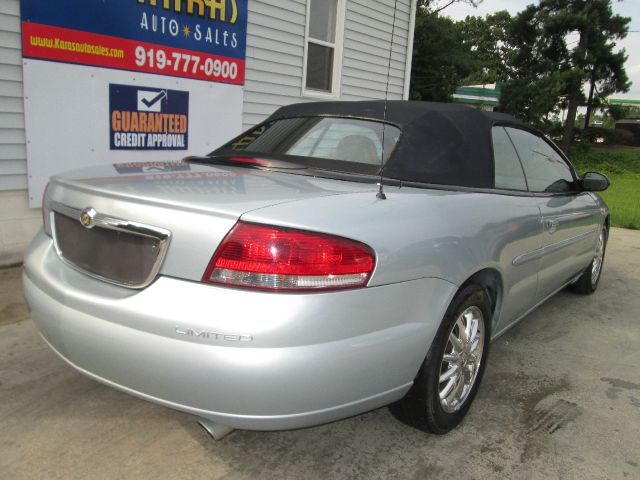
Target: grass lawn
(622,166)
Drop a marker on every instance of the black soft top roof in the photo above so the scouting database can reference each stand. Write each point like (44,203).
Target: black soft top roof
(441,143)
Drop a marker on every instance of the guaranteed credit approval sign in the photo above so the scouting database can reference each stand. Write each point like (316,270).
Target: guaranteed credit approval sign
(199,39)
(147,118)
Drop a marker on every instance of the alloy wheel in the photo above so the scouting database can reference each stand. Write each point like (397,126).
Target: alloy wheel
(596,267)
(461,360)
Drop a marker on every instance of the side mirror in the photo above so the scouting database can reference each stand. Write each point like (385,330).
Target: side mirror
(594,182)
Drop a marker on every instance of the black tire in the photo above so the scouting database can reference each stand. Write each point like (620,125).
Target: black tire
(587,284)
(421,407)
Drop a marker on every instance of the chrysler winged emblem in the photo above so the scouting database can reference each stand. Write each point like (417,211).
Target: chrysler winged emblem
(86,217)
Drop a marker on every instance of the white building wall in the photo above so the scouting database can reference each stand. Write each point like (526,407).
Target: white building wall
(13,157)
(275,53)
(365,60)
(274,59)
(18,223)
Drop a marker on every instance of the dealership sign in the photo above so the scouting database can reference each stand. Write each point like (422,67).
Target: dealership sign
(147,118)
(199,39)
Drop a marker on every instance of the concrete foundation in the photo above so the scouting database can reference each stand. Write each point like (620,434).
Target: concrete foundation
(18,225)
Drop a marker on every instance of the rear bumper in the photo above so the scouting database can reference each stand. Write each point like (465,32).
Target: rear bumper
(252,360)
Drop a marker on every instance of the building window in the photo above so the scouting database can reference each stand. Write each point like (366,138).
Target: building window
(323,47)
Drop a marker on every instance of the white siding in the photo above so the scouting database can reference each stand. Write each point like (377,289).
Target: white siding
(275,53)
(275,41)
(13,163)
(367,36)
(18,223)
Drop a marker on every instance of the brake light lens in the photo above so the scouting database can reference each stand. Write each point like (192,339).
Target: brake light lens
(282,259)
(45,211)
(254,161)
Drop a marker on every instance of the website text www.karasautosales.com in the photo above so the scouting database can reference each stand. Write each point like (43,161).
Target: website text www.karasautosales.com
(59,44)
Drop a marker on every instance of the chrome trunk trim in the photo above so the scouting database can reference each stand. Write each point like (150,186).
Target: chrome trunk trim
(118,224)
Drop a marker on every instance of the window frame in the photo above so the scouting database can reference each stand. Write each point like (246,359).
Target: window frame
(535,133)
(228,150)
(337,45)
(515,150)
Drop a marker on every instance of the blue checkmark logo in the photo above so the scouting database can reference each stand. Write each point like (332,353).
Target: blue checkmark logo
(151,100)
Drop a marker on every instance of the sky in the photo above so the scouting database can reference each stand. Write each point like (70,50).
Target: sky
(626,8)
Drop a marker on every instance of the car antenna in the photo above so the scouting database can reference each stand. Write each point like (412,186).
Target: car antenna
(380,193)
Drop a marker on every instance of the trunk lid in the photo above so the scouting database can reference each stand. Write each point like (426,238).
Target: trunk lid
(197,204)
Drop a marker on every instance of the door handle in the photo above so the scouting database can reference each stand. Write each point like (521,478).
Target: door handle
(552,225)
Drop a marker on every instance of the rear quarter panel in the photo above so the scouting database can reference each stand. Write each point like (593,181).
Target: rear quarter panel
(418,233)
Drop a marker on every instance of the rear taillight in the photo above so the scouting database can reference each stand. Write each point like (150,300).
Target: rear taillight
(283,259)
(253,161)
(46,211)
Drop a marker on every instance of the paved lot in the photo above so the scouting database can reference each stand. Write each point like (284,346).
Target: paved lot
(561,399)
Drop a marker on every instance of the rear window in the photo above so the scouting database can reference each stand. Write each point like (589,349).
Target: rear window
(343,139)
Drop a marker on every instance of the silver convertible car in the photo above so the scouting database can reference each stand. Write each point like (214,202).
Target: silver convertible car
(339,257)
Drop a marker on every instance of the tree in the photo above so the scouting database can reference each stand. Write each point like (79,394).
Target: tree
(440,58)
(535,84)
(618,112)
(488,40)
(607,77)
(561,45)
(436,6)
